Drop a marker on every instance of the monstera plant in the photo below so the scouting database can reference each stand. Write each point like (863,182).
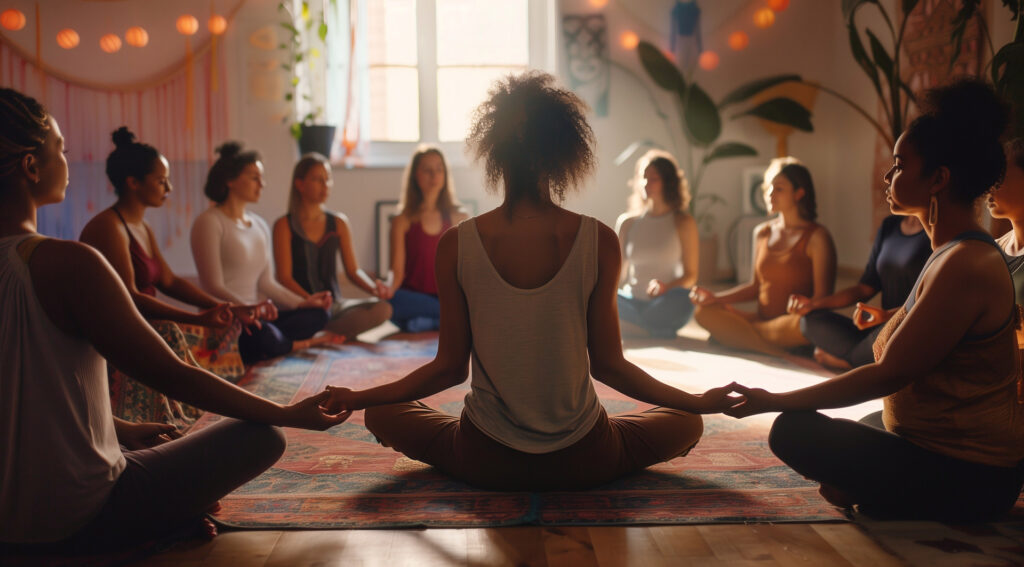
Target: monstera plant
(702,120)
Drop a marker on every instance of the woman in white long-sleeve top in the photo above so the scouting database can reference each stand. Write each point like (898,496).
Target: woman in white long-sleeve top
(231,247)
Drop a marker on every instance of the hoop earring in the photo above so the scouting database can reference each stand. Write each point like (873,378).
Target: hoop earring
(933,211)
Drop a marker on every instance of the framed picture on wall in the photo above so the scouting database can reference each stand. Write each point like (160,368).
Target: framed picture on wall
(384,211)
(751,194)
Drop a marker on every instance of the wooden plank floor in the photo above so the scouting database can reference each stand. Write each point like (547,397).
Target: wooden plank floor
(754,545)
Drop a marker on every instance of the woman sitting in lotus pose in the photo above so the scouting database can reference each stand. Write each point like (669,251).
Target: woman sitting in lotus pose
(947,363)
(528,297)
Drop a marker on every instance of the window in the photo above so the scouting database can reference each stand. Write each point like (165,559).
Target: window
(431,62)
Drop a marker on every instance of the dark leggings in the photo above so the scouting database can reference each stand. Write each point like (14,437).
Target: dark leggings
(837,335)
(887,475)
(275,338)
(164,489)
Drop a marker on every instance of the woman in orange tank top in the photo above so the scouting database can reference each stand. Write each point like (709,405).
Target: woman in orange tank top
(793,255)
(951,443)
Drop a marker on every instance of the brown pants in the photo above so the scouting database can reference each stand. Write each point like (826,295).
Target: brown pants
(747,331)
(614,447)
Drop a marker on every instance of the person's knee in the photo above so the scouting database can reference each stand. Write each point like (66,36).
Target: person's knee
(789,432)
(266,443)
(382,311)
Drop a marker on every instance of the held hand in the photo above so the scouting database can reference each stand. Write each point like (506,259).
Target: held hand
(702,296)
(381,290)
(311,413)
(799,304)
(656,288)
(217,317)
(717,400)
(752,401)
(866,316)
(341,399)
(136,436)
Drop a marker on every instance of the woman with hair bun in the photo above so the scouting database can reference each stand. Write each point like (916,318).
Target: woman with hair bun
(660,249)
(73,477)
(527,295)
(232,246)
(793,254)
(140,176)
(947,364)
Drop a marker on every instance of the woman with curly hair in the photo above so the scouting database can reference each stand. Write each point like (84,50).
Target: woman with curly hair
(660,249)
(527,295)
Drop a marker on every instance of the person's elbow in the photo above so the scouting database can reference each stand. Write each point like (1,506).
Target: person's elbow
(605,365)
(451,370)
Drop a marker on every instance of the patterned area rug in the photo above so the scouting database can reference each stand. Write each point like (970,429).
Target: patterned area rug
(343,479)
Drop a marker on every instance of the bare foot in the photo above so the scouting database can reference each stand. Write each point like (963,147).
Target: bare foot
(836,497)
(320,339)
(830,361)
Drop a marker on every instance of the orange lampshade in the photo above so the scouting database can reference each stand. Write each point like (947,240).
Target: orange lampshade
(136,36)
(12,19)
(187,24)
(110,43)
(629,40)
(764,18)
(739,40)
(67,38)
(599,3)
(217,25)
(708,60)
(778,5)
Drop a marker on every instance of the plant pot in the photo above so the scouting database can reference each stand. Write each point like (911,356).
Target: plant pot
(316,138)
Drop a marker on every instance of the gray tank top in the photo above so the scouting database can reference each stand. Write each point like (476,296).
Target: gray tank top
(530,385)
(653,251)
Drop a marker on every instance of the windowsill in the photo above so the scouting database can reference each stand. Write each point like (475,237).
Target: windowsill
(396,156)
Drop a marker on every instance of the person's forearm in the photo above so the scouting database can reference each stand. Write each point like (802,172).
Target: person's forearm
(154,309)
(421,383)
(738,294)
(630,380)
(184,291)
(857,386)
(842,298)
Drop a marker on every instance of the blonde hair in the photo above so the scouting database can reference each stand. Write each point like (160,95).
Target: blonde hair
(675,187)
(306,163)
(412,195)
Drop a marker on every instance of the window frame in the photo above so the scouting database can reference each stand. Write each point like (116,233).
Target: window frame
(541,21)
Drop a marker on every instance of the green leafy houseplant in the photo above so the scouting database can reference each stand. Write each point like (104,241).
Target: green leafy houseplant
(305,44)
(702,120)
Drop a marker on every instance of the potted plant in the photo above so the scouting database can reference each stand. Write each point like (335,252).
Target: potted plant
(306,46)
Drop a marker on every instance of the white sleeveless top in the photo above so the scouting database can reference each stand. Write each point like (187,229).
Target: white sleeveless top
(59,457)
(653,251)
(530,385)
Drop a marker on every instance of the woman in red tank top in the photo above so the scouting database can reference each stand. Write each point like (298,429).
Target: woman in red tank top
(428,208)
(793,255)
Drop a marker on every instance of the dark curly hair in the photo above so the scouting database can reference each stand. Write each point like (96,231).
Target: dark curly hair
(129,159)
(528,132)
(1015,151)
(26,128)
(228,166)
(959,129)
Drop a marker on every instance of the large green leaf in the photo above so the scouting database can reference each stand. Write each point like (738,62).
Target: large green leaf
(661,70)
(728,150)
(750,89)
(702,120)
(1009,56)
(850,6)
(882,58)
(861,56)
(968,9)
(784,111)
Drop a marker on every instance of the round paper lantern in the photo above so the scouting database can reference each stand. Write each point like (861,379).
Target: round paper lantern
(764,18)
(217,24)
(12,19)
(598,3)
(67,38)
(187,24)
(778,5)
(629,40)
(739,40)
(708,60)
(136,36)
(110,43)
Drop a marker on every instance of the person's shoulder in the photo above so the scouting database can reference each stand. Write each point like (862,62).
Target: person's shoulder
(68,256)
(625,220)
(401,220)
(103,225)
(764,229)
(683,219)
